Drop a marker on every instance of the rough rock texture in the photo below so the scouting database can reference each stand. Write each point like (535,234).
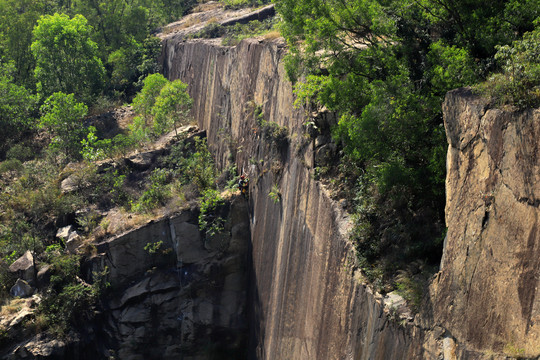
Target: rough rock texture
(21,289)
(305,300)
(487,294)
(24,267)
(187,300)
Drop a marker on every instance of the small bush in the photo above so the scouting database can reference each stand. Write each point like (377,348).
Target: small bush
(14,165)
(236,33)
(271,131)
(20,152)
(239,4)
(193,167)
(157,193)
(519,83)
(209,221)
(275,194)
(210,31)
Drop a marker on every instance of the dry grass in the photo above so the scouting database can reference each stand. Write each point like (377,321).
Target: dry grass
(194,20)
(271,35)
(12,306)
(121,221)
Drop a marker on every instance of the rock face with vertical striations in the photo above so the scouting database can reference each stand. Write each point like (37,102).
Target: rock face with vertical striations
(307,301)
(487,292)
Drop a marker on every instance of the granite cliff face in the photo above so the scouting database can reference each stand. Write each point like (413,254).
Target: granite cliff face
(185,300)
(307,299)
(487,292)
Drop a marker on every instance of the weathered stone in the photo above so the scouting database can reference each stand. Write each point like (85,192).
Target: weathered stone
(21,289)
(492,249)
(188,243)
(23,315)
(23,267)
(449,349)
(73,243)
(64,233)
(217,242)
(141,161)
(41,347)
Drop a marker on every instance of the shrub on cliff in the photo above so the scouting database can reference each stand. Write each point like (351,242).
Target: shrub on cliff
(384,68)
(161,105)
(519,82)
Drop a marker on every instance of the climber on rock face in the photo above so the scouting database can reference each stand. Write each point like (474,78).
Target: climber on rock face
(243,185)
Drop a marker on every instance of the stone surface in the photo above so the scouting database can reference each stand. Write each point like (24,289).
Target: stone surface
(23,267)
(44,276)
(41,347)
(73,243)
(184,300)
(449,349)
(21,289)
(63,233)
(306,301)
(488,293)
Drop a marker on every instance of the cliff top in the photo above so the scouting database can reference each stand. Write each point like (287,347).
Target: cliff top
(213,14)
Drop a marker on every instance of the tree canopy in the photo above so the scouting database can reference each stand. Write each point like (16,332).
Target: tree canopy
(66,57)
(384,67)
(63,118)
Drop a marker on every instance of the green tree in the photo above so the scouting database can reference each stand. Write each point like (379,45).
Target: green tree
(17,107)
(519,82)
(384,67)
(17,19)
(171,107)
(66,57)
(144,101)
(132,63)
(63,119)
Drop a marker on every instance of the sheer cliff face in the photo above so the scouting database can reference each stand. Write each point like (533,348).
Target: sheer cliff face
(487,292)
(305,303)
(305,300)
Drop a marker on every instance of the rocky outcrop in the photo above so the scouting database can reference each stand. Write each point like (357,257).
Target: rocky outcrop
(24,267)
(176,292)
(487,293)
(307,301)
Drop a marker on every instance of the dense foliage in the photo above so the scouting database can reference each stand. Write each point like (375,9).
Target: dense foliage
(66,57)
(384,67)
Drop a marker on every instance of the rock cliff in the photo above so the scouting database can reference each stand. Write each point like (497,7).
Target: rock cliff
(487,292)
(307,298)
(185,299)
(307,301)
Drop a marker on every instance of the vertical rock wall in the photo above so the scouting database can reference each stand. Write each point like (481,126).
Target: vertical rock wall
(305,300)
(185,300)
(487,293)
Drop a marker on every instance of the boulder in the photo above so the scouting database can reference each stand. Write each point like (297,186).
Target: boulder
(142,161)
(21,289)
(63,233)
(73,243)
(23,267)
(41,347)
(71,238)
(44,276)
